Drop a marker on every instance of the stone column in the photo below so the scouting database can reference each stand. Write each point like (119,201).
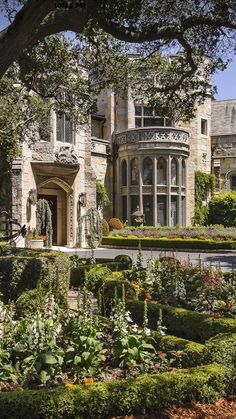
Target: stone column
(140,184)
(128,190)
(155,191)
(118,187)
(179,203)
(169,191)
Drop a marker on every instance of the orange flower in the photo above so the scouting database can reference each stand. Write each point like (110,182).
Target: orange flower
(68,385)
(88,380)
(216,314)
(133,365)
(228,304)
(160,354)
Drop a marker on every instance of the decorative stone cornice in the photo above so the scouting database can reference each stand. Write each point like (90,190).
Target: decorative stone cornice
(162,134)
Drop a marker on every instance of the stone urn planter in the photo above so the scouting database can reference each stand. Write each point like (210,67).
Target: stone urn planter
(36,244)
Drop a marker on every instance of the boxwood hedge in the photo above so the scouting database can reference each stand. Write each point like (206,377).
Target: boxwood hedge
(142,395)
(183,323)
(164,243)
(24,269)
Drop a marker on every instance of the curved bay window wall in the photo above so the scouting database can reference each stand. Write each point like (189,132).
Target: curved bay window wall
(155,185)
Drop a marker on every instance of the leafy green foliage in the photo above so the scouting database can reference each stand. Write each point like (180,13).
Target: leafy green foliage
(29,301)
(96,277)
(222,208)
(102,197)
(147,393)
(27,269)
(204,186)
(181,322)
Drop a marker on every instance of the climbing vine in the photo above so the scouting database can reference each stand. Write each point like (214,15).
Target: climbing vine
(44,220)
(101,196)
(204,186)
(90,225)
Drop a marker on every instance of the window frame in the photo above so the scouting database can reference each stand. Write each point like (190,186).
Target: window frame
(142,117)
(204,126)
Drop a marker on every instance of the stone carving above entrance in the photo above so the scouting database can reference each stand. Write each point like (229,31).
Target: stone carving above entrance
(66,155)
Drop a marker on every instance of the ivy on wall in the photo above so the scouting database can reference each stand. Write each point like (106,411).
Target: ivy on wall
(204,186)
(101,196)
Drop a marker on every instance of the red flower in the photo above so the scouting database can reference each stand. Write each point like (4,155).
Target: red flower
(216,314)
(160,354)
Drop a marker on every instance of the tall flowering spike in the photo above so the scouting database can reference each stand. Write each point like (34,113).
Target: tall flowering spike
(123,294)
(99,301)
(145,315)
(115,297)
(139,256)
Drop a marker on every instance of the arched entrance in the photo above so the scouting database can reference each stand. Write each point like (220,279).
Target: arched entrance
(57,193)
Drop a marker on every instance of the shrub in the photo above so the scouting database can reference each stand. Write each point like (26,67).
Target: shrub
(96,277)
(221,349)
(222,209)
(146,394)
(108,292)
(25,269)
(105,228)
(115,224)
(164,243)
(192,352)
(29,301)
(124,260)
(184,323)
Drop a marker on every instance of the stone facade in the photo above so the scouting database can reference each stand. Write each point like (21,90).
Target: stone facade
(65,171)
(223,144)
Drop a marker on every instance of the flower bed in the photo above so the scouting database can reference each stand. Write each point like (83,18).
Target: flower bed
(166,243)
(218,233)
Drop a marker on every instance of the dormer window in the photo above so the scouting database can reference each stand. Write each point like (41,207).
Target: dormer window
(147,117)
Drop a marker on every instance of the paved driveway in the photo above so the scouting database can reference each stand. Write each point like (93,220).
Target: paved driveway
(227,261)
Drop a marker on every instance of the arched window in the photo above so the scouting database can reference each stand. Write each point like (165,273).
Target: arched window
(174,171)
(183,173)
(134,172)
(147,171)
(124,173)
(161,171)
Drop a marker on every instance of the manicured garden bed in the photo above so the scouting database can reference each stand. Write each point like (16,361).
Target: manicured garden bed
(165,243)
(58,363)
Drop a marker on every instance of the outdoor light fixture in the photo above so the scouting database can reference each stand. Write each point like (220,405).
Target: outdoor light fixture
(82,199)
(33,196)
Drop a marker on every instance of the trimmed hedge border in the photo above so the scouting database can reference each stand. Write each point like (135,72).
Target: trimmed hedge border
(142,395)
(77,275)
(25,269)
(193,355)
(197,327)
(169,243)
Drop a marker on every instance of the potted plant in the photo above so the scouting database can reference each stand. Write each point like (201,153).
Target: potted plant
(35,241)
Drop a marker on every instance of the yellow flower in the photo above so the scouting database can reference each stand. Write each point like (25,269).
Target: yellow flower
(68,385)
(88,380)
(19,389)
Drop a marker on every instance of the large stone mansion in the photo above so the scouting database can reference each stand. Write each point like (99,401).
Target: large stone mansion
(144,161)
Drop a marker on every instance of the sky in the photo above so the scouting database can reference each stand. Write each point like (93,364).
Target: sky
(225,81)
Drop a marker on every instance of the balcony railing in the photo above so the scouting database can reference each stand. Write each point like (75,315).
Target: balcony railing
(153,134)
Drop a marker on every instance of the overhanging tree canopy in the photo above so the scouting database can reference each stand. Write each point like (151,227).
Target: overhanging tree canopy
(201,35)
